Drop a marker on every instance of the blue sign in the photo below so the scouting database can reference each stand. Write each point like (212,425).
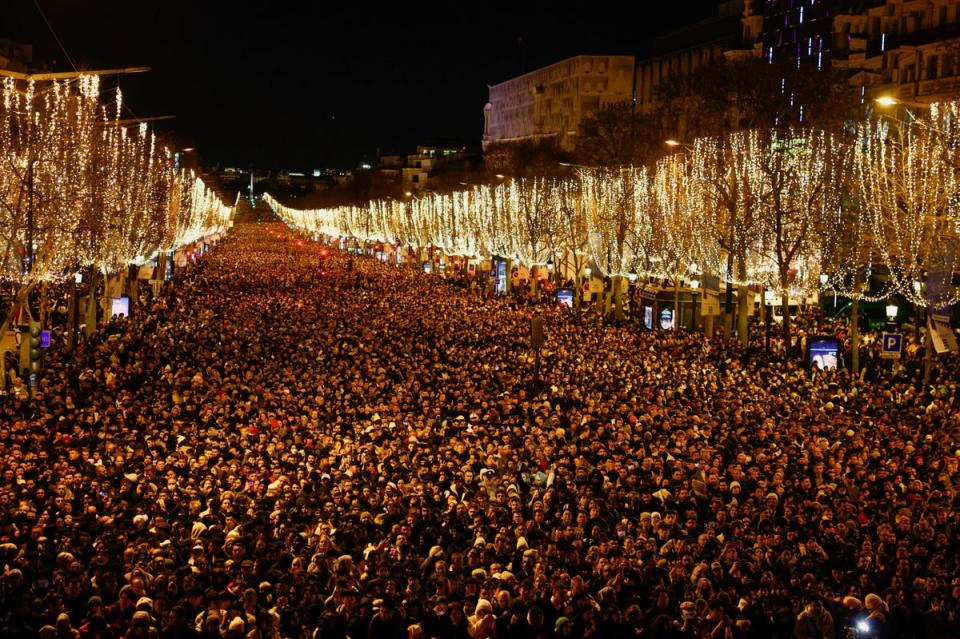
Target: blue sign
(501,283)
(892,346)
(823,353)
(565,297)
(44,339)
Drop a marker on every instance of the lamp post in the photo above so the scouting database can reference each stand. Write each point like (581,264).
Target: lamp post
(75,309)
(917,287)
(587,273)
(694,290)
(824,278)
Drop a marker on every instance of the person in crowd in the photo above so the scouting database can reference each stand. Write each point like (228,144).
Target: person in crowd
(272,450)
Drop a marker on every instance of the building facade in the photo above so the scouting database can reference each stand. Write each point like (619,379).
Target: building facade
(732,32)
(905,49)
(15,56)
(551,102)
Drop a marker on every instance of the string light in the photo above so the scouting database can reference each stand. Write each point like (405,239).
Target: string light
(906,173)
(80,188)
(788,206)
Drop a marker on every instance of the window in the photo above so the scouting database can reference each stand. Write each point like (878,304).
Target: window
(931,67)
(948,66)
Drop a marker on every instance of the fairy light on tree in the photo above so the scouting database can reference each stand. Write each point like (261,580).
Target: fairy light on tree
(722,166)
(908,188)
(80,188)
(794,177)
(683,247)
(906,175)
(617,205)
(571,239)
(534,223)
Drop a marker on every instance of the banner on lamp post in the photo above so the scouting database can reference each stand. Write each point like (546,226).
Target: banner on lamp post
(711,295)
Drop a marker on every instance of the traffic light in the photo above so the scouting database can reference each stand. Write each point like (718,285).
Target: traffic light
(31,355)
(36,355)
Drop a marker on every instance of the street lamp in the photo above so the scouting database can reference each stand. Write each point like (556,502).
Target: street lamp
(892,310)
(887,100)
(673,144)
(75,309)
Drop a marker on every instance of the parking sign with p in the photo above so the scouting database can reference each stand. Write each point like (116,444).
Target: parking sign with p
(892,345)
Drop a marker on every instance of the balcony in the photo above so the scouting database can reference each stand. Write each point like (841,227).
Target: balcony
(929,36)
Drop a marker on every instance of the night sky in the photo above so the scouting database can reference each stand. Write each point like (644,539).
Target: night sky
(282,84)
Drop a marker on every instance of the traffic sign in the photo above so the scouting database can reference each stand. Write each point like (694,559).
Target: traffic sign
(892,346)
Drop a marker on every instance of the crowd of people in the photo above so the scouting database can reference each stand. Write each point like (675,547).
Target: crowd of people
(286,444)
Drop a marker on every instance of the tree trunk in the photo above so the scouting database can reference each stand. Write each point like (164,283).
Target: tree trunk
(728,307)
(928,356)
(22,296)
(44,301)
(855,335)
(676,304)
(743,318)
(617,283)
(105,300)
(785,311)
(91,326)
(74,315)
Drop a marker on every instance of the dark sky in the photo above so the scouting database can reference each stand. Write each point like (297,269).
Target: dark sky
(276,83)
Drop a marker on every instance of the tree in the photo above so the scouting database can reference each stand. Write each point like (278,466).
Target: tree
(617,206)
(756,93)
(533,221)
(794,176)
(571,237)
(723,166)
(683,248)
(616,136)
(906,175)
(526,158)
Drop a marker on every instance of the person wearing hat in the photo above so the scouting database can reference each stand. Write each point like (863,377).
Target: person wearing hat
(563,627)
(482,624)
(876,624)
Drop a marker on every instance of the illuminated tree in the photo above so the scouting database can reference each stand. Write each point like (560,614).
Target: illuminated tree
(906,176)
(617,205)
(571,239)
(728,198)
(683,246)
(533,217)
(794,176)
(80,188)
